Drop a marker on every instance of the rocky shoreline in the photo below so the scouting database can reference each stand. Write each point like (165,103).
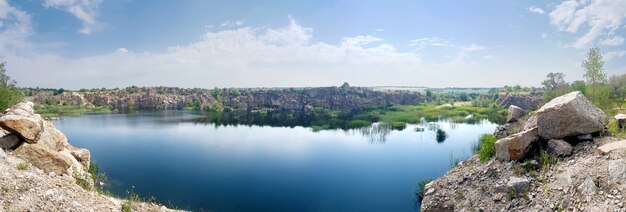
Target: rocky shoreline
(559,158)
(41,171)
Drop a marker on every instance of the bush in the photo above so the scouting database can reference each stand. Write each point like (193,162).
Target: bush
(9,94)
(398,125)
(487,147)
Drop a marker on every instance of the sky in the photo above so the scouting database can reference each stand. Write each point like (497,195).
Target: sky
(77,44)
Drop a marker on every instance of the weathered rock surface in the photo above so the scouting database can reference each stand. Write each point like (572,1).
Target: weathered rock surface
(518,184)
(526,101)
(44,158)
(27,127)
(530,123)
(584,181)
(515,113)
(559,147)
(158,98)
(516,146)
(617,145)
(82,155)
(570,115)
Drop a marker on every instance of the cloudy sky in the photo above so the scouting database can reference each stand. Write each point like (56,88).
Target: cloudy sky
(117,43)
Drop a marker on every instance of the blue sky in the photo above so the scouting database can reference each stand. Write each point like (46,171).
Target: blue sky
(100,43)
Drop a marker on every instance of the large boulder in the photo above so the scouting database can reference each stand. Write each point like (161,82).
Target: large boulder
(530,123)
(515,113)
(53,138)
(516,146)
(44,158)
(27,127)
(82,155)
(570,115)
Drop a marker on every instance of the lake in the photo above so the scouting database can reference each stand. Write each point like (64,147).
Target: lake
(202,165)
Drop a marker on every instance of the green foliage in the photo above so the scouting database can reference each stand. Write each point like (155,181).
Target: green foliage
(126,207)
(545,159)
(48,110)
(441,135)
(99,178)
(22,166)
(9,94)
(82,182)
(458,114)
(579,85)
(487,147)
(615,130)
(593,66)
(358,123)
(554,80)
(398,125)
(419,190)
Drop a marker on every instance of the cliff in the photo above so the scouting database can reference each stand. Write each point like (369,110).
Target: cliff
(41,171)
(157,98)
(563,159)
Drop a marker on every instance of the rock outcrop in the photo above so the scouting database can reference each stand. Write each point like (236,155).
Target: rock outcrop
(42,173)
(516,146)
(529,175)
(158,98)
(570,115)
(526,101)
(37,141)
(515,113)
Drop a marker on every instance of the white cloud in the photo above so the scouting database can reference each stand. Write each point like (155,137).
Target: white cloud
(544,35)
(612,55)
(84,10)
(473,47)
(536,10)
(601,17)
(430,41)
(231,24)
(614,41)
(15,27)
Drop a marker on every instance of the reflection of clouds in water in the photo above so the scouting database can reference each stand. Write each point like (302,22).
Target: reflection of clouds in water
(376,132)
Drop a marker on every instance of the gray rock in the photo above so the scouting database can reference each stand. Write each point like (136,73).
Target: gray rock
(588,187)
(560,147)
(518,184)
(44,158)
(570,115)
(531,123)
(606,148)
(621,120)
(587,137)
(617,169)
(516,146)
(515,113)
(9,142)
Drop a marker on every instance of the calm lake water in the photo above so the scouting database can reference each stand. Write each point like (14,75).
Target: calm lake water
(175,156)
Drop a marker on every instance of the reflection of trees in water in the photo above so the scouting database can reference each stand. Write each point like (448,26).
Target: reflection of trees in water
(376,132)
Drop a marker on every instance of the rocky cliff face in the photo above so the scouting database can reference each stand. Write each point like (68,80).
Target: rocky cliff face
(558,162)
(156,98)
(39,168)
(526,101)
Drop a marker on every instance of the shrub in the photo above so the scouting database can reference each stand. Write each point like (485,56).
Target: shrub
(487,147)
(22,166)
(398,125)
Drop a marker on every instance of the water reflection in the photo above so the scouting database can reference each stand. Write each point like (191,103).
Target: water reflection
(377,132)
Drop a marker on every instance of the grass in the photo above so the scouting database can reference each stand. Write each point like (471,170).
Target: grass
(56,110)
(460,114)
(486,147)
(615,130)
(22,166)
(545,159)
(99,178)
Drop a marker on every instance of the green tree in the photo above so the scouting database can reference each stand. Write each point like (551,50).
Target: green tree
(593,66)
(554,80)
(579,85)
(9,95)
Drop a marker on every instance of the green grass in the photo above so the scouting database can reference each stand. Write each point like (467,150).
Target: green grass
(460,114)
(55,110)
(82,182)
(398,125)
(22,166)
(126,207)
(615,130)
(487,147)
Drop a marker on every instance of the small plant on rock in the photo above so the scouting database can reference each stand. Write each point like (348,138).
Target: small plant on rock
(487,147)
(22,166)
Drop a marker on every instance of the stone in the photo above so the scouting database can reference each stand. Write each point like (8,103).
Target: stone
(586,137)
(21,109)
(570,115)
(53,138)
(515,113)
(44,158)
(518,184)
(28,128)
(82,155)
(9,142)
(2,154)
(516,146)
(617,169)
(609,147)
(621,120)
(530,123)
(560,147)
(588,187)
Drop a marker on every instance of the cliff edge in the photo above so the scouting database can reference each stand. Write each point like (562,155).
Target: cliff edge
(39,169)
(561,160)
